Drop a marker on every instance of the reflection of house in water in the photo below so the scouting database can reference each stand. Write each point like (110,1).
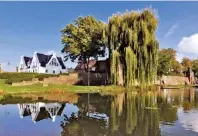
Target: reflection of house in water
(181,94)
(99,116)
(40,111)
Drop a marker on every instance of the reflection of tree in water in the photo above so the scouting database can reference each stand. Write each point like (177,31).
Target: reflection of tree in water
(82,126)
(136,119)
(129,114)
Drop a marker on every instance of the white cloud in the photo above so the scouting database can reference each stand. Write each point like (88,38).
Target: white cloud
(179,57)
(189,44)
(171,30)
(188,120)
(188,47)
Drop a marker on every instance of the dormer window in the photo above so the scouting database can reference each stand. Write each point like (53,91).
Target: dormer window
(53,62)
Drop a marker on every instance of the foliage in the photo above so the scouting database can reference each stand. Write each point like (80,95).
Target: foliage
(186,63)
(132,36)
(167,63)
(83,39)
(195,66)
(19,77)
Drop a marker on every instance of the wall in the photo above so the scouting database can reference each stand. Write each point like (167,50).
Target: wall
(79,78)
(63,79)
(24,83)
(57,69)
(74,78)
(173,80)
(94,78)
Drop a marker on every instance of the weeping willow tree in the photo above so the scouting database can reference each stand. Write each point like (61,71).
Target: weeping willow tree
(133,47)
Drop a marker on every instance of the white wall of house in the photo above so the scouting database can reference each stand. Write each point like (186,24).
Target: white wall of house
(22,65)
(34,67)
(52,67)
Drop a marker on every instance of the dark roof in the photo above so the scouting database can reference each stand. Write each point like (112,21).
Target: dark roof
(61,109)
(27,59)
(61,62)
(44,59)
(82,66)
(26,112)
(43,114)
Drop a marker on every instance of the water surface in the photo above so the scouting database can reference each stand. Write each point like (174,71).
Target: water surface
(160,113)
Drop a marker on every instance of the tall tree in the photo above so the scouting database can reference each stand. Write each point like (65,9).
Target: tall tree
(83,40)
(133,47)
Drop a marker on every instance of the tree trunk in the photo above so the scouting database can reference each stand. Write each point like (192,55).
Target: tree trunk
(88,82)
(120,80)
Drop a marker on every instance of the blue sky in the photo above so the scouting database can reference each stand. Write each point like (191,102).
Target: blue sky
(26,27)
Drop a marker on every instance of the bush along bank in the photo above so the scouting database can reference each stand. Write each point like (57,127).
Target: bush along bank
(19,77)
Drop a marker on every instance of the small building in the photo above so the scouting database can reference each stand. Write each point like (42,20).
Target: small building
(42,63)
(100,66)
(70,70)
(81,67)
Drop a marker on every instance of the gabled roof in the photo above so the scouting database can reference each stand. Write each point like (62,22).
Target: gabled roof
(43,59)
(27,59)
(43,114)
(60,60)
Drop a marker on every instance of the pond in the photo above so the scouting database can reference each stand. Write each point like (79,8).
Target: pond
(159,113)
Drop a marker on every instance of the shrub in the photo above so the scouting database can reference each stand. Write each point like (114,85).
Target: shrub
(19,77)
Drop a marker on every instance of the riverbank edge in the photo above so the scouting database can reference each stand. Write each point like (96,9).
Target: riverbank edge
(9,89)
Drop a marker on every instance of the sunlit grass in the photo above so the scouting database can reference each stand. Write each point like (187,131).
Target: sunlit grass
(56,87)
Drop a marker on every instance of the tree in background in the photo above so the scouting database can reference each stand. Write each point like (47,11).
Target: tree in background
(195,66)
(133,47)
(167,63)
(83,40)
(186,63)
(164,63)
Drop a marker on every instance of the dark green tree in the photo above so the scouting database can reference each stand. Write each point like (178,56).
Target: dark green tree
(83,40)
(167,63)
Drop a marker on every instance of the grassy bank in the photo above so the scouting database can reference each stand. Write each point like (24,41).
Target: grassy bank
(178,86)
(6,88)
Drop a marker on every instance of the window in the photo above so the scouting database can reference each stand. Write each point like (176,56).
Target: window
(46,71)
(34,64)
(53,62)
(53,71)
(60,72)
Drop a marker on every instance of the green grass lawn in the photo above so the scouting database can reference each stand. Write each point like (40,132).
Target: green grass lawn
(6,88)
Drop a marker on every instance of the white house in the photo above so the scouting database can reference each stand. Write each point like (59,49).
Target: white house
(42,63)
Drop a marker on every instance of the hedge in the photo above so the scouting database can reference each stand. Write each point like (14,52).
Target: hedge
(19,77)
